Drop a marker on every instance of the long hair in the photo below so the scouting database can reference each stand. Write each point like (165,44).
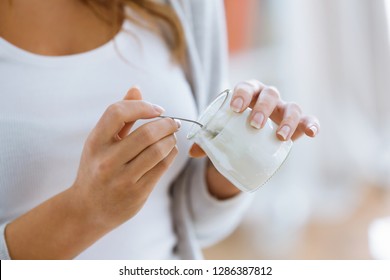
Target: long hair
(156,16)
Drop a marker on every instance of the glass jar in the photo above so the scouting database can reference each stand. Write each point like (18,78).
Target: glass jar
(246,156)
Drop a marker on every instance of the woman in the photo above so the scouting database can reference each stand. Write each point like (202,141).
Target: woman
(132,195)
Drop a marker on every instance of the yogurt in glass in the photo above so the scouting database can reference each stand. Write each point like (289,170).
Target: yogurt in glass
(246,156)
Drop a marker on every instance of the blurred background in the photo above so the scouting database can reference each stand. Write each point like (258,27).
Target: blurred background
(331,199)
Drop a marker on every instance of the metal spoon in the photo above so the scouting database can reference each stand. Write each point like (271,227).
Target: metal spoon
(182,119)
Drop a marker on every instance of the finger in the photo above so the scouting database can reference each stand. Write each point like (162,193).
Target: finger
(196,151)
(244,93)
(120,113)
(151,177)
(308,125)
(143,137)
(150,157)
(290,121)
(264,106)
(133,93)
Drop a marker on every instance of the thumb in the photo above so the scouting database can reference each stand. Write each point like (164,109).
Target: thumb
(134,93)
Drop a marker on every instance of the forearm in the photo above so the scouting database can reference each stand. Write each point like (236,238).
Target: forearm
(218,185)
(59,228)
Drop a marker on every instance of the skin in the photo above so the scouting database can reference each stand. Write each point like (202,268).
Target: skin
(114,181)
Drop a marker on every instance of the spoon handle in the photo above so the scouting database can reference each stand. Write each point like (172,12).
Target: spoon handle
(182,119)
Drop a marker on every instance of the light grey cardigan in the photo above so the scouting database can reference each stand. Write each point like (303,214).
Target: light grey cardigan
(200,219)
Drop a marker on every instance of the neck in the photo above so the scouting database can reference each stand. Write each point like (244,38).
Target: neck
(56,27)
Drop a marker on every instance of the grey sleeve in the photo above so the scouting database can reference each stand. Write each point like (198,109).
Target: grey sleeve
(213,219)
(4,255)
(200,219)
(202,216)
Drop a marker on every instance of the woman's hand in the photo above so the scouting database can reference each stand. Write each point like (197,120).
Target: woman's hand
(118,170)
(266,103)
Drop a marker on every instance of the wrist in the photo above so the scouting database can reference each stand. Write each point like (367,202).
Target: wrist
(218,186)
(85,211)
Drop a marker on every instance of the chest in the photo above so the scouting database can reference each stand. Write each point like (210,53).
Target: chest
(49,105)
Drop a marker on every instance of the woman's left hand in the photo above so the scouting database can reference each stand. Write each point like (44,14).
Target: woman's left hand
(266,103)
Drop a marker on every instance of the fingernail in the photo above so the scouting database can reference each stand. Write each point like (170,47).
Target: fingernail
(313,130)
(284,131)
(237,104)
(158,109)
(178,123)
(257,120)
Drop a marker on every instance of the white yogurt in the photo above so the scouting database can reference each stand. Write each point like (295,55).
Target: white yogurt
(246,156)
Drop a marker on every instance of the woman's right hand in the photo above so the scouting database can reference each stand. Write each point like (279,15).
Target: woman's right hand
(118,170)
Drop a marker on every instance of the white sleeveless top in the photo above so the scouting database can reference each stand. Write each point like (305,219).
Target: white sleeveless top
(48,106)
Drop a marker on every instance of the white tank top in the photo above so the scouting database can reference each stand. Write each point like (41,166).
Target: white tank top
(48,106)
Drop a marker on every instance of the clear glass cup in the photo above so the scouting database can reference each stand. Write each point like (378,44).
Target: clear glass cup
(246,156)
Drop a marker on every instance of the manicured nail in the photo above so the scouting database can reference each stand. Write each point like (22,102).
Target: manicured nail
(284,131)
(257,120)
(237,104)
(313,130)
(158,109)
(178,123)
